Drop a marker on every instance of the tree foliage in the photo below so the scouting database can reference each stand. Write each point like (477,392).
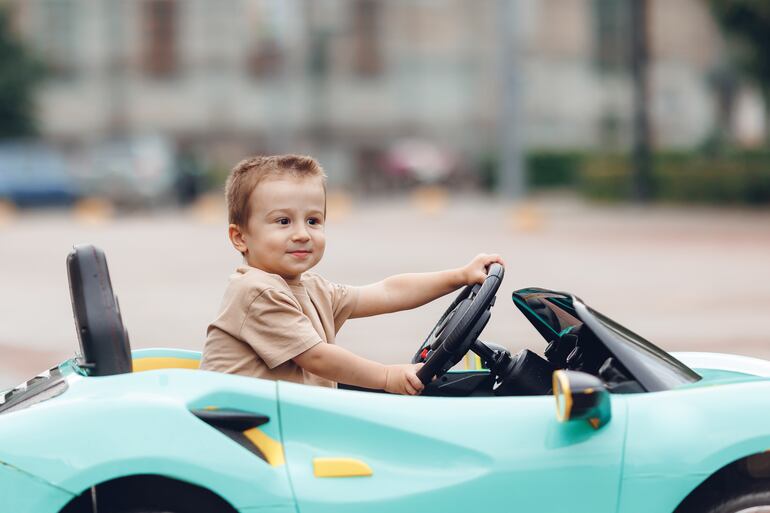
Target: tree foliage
(19,75)
(748,24)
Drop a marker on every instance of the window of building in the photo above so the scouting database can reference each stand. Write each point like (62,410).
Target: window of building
(266,57)
(266,54)
(367,40)
(159,28)
(55,39)
(613,24)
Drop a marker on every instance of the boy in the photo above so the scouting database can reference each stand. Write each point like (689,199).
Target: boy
(277,321)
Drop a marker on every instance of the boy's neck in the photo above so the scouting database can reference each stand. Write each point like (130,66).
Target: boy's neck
(290,280)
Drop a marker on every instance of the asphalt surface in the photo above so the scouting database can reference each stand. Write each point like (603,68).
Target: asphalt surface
(686,279)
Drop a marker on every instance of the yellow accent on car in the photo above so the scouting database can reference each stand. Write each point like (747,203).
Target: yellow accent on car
(562,392)
(472,362)
(594,422)
(162,362)
(340,467)
(272,449)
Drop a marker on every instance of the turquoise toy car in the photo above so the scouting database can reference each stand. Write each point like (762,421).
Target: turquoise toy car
(605,422)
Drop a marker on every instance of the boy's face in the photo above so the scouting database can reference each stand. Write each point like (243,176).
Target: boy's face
(285,232)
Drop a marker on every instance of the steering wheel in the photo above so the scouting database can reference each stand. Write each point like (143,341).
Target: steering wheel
(459,327)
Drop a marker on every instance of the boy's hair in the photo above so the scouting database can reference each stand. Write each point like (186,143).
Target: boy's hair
(248,173)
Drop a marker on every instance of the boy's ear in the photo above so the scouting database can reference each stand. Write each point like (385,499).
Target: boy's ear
(236,238)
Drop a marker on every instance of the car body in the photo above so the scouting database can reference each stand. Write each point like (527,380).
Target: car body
(76,435)
(33,175)
(129,172)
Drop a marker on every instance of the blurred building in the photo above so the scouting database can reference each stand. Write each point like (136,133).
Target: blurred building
(346,78)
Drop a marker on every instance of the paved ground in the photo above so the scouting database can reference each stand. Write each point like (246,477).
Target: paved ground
(687,279)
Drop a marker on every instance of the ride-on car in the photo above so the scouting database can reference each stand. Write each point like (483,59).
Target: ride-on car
(605,421)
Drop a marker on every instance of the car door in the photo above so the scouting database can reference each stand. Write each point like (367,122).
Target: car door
(355,451)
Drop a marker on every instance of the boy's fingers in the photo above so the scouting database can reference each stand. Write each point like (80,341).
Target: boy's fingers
(414,382)
(491,259)
(417,381)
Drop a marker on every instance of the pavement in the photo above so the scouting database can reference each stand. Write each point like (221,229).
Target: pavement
(684,278)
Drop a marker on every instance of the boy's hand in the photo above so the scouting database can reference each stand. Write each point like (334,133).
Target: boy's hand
(476,271)
(402,379)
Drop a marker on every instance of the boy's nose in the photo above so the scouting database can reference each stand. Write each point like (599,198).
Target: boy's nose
(300,234)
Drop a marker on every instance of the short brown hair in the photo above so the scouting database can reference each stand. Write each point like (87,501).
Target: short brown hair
(248,173)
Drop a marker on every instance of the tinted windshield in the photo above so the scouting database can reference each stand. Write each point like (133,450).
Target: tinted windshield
(566,323)
(653,367)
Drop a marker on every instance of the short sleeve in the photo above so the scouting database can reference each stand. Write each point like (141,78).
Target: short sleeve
(344,299)
(276,328)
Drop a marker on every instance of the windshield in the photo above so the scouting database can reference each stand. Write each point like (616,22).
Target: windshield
(653,367)
(581,338)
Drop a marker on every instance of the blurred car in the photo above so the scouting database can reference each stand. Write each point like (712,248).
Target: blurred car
(636,429)
(33,174)
(133,172)
(419,161)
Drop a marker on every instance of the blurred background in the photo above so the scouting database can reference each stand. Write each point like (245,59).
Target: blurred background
(618,149)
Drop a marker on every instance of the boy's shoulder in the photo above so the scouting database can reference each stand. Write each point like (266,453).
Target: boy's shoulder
(314,280)
(251,280)
(316,283)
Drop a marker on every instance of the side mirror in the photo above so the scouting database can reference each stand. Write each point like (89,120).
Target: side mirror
(581,396)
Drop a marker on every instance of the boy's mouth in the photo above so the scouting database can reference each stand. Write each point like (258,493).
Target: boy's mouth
(300,253)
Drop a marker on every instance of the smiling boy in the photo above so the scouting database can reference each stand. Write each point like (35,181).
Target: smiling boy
(278,321)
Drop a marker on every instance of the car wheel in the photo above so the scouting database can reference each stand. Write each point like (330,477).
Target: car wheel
(143,510)
(751,502)
(150,510)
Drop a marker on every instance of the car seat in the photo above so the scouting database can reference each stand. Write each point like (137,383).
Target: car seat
(104,345)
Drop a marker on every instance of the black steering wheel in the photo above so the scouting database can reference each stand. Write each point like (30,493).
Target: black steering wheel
(459,327)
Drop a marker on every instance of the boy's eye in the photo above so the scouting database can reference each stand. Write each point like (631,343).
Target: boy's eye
(314,220)
(283,220)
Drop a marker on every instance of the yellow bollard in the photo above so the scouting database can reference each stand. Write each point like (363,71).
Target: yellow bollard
(7,212)
(210,209)
(93,210)
(339,205)
(525,217)
(430,199)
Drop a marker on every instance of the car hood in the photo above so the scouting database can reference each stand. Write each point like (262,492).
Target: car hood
(723,368)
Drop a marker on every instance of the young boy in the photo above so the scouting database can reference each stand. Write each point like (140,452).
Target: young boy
(278,321)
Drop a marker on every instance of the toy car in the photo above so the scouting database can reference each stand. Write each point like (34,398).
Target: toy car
(605,422)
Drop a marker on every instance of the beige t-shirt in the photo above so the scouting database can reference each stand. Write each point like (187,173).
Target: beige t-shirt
(264,322)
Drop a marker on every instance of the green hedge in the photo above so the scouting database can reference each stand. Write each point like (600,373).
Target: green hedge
(553,169)
(731,178)
(545,169)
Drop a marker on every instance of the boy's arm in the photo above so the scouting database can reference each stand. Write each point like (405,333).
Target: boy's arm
(407,291)
(337,364)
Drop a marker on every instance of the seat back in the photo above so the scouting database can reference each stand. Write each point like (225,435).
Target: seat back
(104,343)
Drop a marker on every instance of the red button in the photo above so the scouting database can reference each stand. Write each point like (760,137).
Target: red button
(424,354)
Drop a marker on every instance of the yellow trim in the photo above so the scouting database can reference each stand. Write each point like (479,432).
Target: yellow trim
(594,422)
(340,467)
(272,449)
(560,378)
(161,362)
(472,362)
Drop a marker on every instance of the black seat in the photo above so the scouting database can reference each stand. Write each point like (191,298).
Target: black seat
(104,341)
